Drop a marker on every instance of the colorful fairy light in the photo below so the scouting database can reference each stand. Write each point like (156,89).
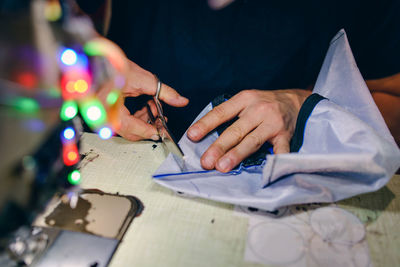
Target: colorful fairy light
(74,177)
(75,83)
(81,86)
(76,90)
(82,61)
(27,79)
(93,112)
(105,133)
(52,10)
(69,133)
(70,154)
(102,47)
(69,110)
(112,97)
(73,59)
(26,105)
(93,48)
(69,57)
(70,87)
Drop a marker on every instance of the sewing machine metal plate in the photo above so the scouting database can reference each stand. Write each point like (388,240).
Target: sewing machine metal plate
(85,235)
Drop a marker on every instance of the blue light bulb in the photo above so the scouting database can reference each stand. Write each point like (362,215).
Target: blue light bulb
(69,57)
(105,133)
(69,133)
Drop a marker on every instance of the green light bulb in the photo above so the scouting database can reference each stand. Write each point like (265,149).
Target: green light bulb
(74,177)
(26,105)
(93,113)
(92,48)
(112,97)
(69,110)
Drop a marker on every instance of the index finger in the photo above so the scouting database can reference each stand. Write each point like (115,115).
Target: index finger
(218,115)
(144,82)
(172,97)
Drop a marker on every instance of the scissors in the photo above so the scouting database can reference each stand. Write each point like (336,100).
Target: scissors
(161,125)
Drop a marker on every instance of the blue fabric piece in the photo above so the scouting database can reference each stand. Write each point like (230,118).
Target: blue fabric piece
(347,150)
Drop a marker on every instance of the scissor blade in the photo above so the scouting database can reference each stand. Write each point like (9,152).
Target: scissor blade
(168,140)
(166,137)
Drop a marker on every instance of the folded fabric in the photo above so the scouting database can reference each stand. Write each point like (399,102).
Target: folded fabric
(341,147)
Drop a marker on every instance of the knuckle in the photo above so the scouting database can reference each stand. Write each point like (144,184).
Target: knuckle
(200,126)
(247,94)
(216,150)
(275,106)
(255,140)
(270,107)
(263,107)
(236,132)
(219,112)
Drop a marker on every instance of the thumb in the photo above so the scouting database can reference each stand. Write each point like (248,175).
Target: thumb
(134,129)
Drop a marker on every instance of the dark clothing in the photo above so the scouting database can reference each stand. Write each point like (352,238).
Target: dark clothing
(250,44)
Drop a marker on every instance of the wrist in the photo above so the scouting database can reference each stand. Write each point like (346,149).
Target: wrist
(298,96)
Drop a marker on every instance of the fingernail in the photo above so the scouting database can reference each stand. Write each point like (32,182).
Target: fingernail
(224,164)
(208,162)
(193,133)
(155,137)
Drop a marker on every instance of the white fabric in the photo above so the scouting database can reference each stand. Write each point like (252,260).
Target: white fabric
(347,150)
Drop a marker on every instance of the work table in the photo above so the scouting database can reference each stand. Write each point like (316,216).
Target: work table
(176,230)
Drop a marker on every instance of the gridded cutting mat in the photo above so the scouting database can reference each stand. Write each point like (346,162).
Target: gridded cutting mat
(176,230)
(173,230)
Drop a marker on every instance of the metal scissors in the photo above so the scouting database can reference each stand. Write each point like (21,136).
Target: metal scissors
(161,125)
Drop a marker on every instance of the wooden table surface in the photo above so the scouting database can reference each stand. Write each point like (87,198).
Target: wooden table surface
(183,231)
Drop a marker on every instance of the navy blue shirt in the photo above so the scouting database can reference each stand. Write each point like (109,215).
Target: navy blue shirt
(250,44)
